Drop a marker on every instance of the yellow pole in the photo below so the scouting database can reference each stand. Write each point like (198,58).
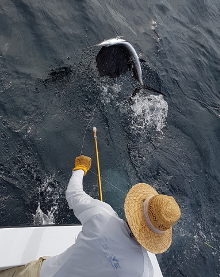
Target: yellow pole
(97,163)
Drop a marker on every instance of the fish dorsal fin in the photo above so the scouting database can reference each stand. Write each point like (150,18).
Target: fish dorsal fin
(113,60)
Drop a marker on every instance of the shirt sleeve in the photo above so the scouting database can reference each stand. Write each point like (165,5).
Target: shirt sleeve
(75,193)
(83,205)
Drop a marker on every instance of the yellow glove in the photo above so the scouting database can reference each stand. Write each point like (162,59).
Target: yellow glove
(83,162)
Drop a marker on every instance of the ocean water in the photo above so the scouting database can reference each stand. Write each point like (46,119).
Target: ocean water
(52,96)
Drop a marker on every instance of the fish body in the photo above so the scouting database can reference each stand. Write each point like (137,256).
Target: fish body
(119,45)
(116,57)
(111,41)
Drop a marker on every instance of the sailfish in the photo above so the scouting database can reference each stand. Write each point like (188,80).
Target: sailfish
(116,57)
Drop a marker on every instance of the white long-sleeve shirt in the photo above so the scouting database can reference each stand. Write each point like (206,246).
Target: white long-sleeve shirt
(104,247)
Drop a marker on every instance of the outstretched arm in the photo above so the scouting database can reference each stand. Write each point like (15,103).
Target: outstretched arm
(75,194)
(83,205)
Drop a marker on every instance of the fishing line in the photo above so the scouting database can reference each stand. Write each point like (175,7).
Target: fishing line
(110,183)
(92,117)
(207,244)
(83,140)
(211,246)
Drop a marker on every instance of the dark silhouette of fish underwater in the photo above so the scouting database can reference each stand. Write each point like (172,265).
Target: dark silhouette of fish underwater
(116,57)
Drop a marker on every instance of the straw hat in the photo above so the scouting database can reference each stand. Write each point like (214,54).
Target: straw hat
(150,217)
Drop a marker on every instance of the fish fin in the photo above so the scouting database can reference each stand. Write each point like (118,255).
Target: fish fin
(154,90)
(142,60)
(112,61)
(137,90)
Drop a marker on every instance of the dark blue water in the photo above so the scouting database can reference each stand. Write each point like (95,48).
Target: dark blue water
(52,96)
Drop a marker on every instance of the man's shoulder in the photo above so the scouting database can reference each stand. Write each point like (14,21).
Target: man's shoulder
(103,208)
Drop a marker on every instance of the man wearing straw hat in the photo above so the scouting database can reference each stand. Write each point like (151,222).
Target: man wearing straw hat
(108,246)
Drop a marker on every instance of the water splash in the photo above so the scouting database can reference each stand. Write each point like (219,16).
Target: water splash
(153,25)
(49,194)
(109,92)
(149,111)
(40,218)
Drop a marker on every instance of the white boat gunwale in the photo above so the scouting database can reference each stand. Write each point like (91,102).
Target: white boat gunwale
(22,244)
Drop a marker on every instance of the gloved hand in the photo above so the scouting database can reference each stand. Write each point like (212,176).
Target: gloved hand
(83,162)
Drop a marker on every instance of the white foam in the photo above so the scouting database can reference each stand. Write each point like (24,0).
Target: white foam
(40,218)
(149,111)
(153,25)
(109,92)
(51,194)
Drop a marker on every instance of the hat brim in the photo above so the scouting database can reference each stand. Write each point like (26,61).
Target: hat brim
(133,206)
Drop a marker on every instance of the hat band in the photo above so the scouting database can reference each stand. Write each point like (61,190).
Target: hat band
(147,219)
